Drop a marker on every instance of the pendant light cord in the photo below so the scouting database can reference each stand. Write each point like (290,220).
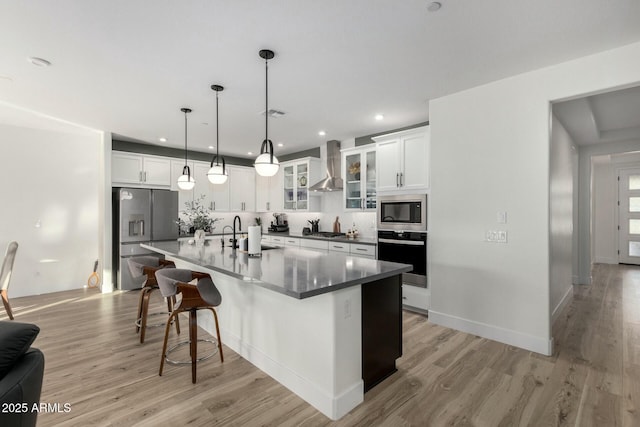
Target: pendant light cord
(266,99)
(217,134)
(185,138)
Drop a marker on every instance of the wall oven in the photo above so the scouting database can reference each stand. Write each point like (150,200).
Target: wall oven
(402,212)
(402,234)
(407,247)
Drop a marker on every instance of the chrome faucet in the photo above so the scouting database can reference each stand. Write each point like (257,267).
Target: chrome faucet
(223,228)
(234,242)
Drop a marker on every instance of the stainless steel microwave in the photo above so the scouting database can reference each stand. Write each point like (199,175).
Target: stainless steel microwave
(402,212)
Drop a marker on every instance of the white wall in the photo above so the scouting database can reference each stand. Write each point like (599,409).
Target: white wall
(50,192)
(561,185)
(490,149)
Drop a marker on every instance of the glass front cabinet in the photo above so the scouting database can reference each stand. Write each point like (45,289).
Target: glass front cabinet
(359,175)
(297,177)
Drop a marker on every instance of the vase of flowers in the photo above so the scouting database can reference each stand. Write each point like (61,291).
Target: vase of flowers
(196,217)
(354,170)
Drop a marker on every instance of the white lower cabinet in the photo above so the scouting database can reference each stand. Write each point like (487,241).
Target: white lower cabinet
(415,298)
(292,241)
(276,240)
(339,247)
(314,244)
(365,251)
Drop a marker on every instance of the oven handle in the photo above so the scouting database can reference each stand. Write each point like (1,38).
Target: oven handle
(402,242)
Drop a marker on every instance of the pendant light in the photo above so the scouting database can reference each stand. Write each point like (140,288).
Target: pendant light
(266,163)
(218,172)
(186,181)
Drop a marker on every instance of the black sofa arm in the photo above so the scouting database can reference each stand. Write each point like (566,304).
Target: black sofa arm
(22,386)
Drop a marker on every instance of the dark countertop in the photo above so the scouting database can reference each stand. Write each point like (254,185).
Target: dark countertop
(362,240)
(296,272)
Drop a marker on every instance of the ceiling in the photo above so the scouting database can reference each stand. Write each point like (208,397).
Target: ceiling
(607,117)
(128,67)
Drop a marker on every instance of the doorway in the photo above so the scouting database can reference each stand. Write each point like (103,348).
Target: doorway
(629,216)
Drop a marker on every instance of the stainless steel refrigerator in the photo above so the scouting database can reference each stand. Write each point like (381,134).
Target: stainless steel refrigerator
(139,216)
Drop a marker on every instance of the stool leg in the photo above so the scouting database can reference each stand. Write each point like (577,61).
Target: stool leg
(215,316)
(142,292)
(171,302)
(5,301)
(166,336)
(145,311)
(193,342)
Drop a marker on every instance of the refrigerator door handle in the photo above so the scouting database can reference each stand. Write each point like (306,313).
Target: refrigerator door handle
(142,227)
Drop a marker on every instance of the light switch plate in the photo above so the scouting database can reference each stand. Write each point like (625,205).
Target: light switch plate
(502,218)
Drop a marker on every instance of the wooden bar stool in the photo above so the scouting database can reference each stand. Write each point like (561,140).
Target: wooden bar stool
(202,296)
(147,266)
(5,276)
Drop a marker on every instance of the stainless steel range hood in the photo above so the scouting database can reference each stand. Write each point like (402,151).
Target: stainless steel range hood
(332,182)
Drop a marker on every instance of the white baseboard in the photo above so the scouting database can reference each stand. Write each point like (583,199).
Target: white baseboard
(582,280)
(506,336)
(605,260)
(566,299)
(333,407)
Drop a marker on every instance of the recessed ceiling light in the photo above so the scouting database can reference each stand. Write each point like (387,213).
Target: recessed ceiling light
(38,62)
(322,133)
(250,153)
(434,6)
(379,117)
(280,144)
(162,139)
(211,147)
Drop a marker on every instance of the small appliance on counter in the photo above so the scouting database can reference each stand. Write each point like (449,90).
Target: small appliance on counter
(279,224)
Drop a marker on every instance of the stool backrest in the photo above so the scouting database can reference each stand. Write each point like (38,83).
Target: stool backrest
(7,265)
(209,292)
(168,279)
(137,264)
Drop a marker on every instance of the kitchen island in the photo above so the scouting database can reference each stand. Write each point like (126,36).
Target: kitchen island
(325,325)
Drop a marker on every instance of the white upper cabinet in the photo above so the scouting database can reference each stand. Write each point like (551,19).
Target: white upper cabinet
(219,193)
(242,187)
(269,192)
(216,196)
(406,160)
(297,177)
(140,170)
(359,176)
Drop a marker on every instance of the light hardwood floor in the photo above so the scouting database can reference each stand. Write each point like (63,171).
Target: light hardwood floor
(95,362)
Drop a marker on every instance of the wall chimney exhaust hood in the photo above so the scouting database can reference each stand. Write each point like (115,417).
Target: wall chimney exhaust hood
(332,182)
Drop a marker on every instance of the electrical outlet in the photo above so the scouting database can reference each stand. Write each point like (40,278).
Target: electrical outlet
(495,236)
(347,309)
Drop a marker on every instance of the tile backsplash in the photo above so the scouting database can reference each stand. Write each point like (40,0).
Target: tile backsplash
(365,222)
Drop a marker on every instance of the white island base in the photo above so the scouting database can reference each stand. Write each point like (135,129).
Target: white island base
(312,346)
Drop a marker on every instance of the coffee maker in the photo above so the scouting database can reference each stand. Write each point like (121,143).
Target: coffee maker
(279,223)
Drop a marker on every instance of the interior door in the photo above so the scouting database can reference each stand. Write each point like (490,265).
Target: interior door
(629,216)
